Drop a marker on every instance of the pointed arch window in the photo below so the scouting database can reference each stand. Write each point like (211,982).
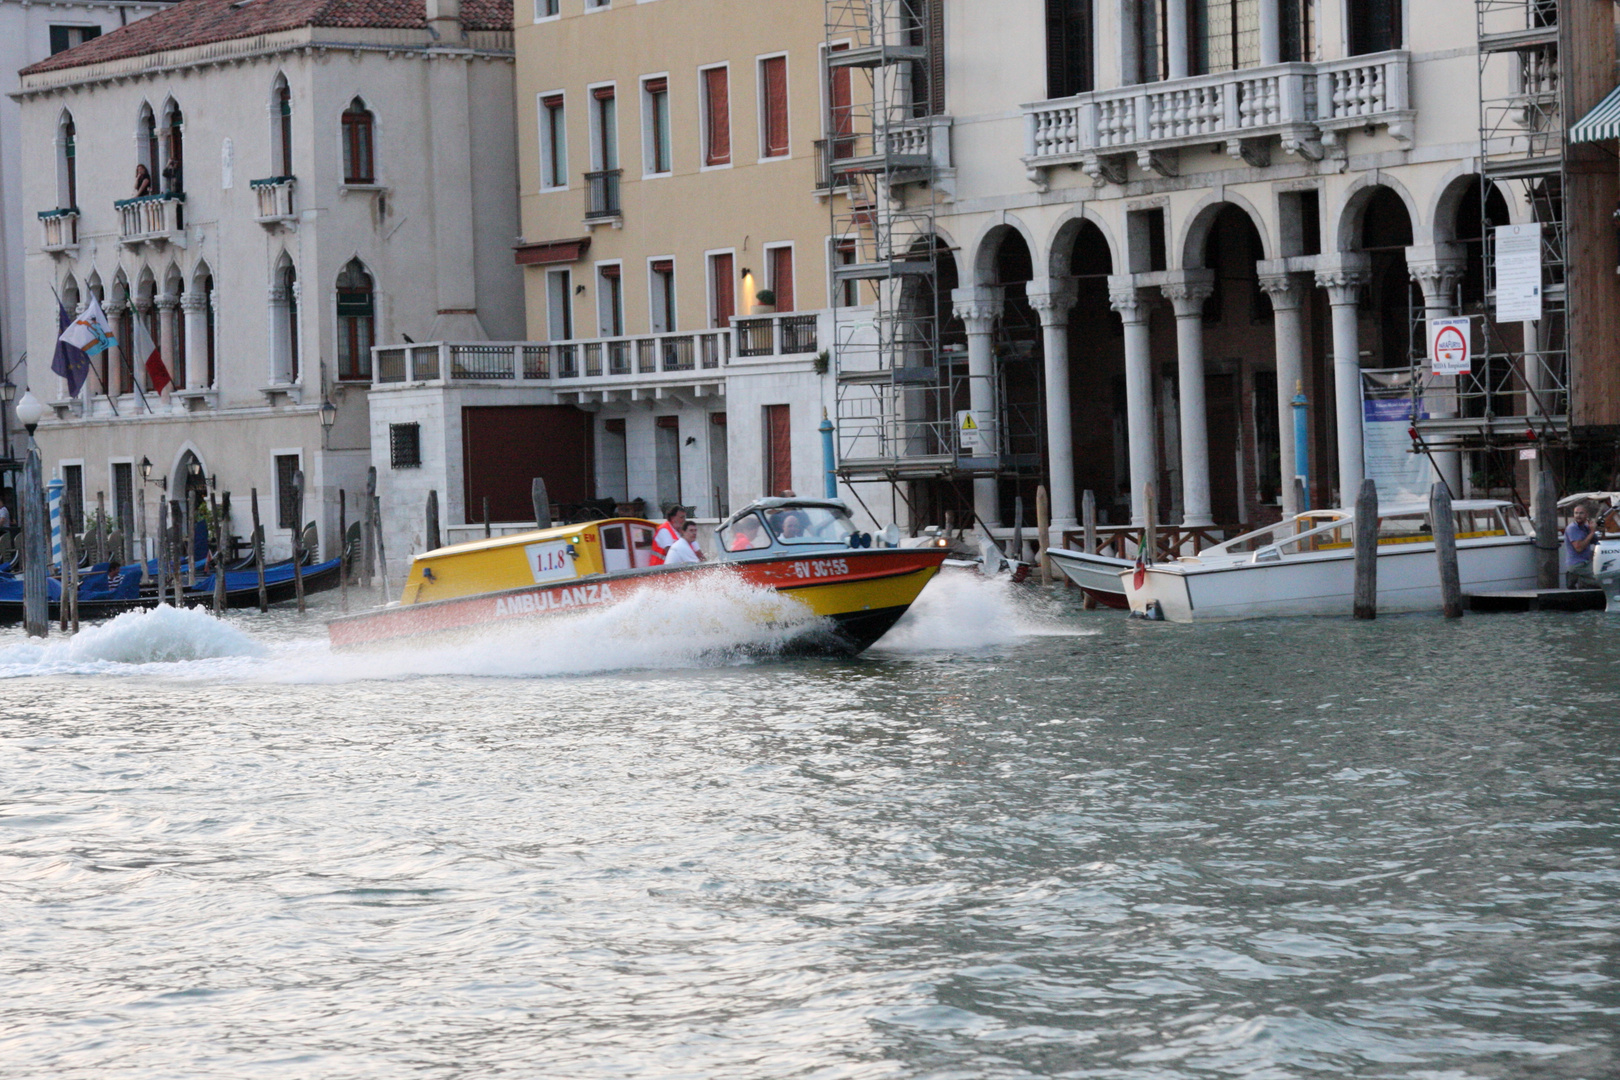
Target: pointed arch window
(359,160)
(68,189)
(147,165)
(357,322)
(174,157)
(281,112)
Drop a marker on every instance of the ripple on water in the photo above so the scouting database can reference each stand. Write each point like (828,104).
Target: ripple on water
(1016,841)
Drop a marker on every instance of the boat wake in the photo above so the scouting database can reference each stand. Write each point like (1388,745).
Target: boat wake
(966,612)
(716,621)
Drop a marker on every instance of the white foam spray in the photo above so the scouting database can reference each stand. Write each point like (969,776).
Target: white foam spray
(964,611)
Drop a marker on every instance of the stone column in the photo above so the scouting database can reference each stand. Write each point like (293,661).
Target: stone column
(279,339)
(143,314)
(166,305)
(1133,306)
(1437,270)
(1271,32)
(195,307)
(1344,284)
(1175,30)
(1288,325)
(1187,296)
(1052,299)
(115,353)
(979,307)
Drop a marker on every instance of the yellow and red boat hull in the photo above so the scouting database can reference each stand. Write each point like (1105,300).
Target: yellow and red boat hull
(861,594)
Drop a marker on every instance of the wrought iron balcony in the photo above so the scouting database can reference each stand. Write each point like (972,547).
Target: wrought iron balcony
(1305,107)
(602,195)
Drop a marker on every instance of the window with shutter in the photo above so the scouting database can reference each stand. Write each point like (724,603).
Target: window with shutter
(778,451)
(723,286)
(840,109)
(782,277)
(1068,47)
(717,117)
(774,105)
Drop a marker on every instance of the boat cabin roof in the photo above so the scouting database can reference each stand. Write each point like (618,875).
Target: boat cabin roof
(788,502)
(556,532)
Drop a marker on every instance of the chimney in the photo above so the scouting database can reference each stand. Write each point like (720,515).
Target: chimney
(444,20)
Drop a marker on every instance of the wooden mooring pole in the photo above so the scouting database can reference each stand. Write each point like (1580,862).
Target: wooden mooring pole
(1043,529)
(343,548)
(1445,549)
(486,517)
(1546,520)
(219,554)
(1366,596)
(258,552)
(382,551)
(432,523)
(36,521)
(1088,522)
(298,538)
(367,539)
(542,503)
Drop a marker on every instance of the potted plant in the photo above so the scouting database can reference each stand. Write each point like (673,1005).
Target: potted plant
(764,302)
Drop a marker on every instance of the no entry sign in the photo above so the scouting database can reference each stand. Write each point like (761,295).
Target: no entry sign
(1449,341)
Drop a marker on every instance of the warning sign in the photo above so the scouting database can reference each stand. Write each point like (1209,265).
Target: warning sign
(969,436)
(1449,346)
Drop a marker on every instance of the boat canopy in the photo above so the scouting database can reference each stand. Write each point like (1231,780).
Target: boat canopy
(789,526)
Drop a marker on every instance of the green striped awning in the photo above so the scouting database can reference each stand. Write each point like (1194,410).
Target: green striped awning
(1603,122)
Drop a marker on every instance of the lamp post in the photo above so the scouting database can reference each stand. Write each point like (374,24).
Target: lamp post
(36,530)
(328,418)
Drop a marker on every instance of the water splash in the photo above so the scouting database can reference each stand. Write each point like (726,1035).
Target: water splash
(964,611)
(134,640)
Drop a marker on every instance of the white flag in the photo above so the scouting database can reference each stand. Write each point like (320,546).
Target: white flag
(89,329)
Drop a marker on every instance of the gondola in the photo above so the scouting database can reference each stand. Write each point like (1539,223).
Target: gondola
(241,590)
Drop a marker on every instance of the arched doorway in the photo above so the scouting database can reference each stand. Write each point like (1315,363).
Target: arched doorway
(1097,379)
(1020,403)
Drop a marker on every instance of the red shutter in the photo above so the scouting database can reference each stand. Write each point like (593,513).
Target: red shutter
(555,101)
(778,450)
(603,93)
(725,296)
(610,271)
(718,150)
(656,86)
(663,266)
(782,277)
(843,109)
(773,73)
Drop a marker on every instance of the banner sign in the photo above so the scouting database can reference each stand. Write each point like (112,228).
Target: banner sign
(1387,407)
(1518,272)
(1449,346)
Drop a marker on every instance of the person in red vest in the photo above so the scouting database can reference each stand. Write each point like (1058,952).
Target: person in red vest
(668,533)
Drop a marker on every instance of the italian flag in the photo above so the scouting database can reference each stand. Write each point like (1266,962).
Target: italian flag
(157,375)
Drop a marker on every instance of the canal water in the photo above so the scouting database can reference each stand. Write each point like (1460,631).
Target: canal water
(1015,840)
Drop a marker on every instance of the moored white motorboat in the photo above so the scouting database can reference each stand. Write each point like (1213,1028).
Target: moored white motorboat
(1097,575)
(1306,565)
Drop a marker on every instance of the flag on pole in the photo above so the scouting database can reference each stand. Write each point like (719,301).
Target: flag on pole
(90,332)
(70,362)
(146,353)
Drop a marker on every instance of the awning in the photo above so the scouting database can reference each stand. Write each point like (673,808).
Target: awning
(540,252)
(1603,122)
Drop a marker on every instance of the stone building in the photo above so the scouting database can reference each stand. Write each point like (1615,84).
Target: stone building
(322,176)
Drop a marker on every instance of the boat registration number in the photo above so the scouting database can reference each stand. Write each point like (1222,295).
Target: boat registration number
(809,568)
(550,562)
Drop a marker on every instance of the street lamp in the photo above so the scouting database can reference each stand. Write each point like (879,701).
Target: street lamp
(146,475)
(30,412)
(8,390)
(328,415)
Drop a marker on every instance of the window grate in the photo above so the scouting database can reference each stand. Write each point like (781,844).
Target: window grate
(286,491)
(405,446)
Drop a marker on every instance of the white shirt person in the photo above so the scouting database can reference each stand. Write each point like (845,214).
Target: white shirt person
(685,550)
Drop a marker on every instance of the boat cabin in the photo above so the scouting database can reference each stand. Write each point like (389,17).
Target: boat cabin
(789,526)
(561,553)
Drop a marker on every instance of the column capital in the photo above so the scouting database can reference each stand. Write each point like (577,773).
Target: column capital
(981,304)
(1344,276)
(193,302)
(1437,268)
(1286,291)
(167,302)
(278,294)
(1187,290)
(1132,303)
(116,308)
(1052,298)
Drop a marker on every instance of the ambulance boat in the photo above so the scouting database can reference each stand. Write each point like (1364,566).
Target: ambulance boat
(807,549)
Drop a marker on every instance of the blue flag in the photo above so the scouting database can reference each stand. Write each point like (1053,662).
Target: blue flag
(70,363)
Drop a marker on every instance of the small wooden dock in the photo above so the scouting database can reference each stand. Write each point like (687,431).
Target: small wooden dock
(1536,600)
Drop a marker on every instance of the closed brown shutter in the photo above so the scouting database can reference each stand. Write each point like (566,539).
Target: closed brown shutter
(555,101)
(936,57)
(725,296)
(603,93)
(842,118)
(656,86)
(782,277)
(718,102)
(778,450)
(663,266)
(773,74)
(611,271)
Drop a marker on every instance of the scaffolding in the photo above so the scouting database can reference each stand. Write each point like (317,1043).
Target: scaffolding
(1517,393)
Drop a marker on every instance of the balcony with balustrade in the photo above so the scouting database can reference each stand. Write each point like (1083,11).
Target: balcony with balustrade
(152,219)
(275,200)
(1304,108)
(640,367)
(59,229)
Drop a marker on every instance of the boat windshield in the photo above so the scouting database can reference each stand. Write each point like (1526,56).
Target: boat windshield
(1281,531)
(811,525)
(747,533)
